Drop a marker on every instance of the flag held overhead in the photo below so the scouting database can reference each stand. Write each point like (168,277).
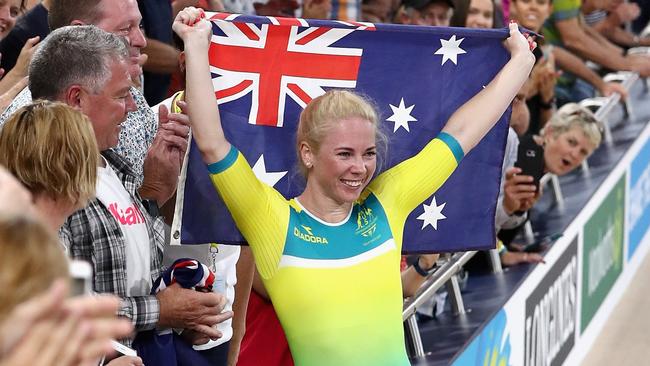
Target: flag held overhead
(265,70)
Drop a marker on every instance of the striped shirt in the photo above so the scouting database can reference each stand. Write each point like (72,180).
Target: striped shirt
(595,17)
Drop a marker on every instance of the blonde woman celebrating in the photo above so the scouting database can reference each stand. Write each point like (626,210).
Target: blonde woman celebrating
(330,257)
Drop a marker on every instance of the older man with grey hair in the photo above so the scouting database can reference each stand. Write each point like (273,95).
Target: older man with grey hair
(88,69)
(121,17)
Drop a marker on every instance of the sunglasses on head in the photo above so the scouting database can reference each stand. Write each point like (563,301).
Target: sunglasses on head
(588,117)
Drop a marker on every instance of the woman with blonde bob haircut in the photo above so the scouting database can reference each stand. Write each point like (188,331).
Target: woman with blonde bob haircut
(329,258)
(51,149)
(569,137)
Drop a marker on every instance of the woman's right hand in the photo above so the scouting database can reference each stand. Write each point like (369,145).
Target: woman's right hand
(25,56)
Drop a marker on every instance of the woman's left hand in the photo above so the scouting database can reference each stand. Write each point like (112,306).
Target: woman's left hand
(518,45)
(191,22)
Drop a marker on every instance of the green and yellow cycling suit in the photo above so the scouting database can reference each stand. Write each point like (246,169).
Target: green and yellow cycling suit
(336,286)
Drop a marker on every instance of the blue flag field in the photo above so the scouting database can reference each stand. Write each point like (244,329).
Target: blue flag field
(265,70)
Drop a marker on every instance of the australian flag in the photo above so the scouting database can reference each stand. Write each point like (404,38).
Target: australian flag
(265,70)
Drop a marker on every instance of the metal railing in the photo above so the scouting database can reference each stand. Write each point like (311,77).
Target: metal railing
(444,274)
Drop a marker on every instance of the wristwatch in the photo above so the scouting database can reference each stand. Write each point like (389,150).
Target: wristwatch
(421,271)
(547,105)
(152,207)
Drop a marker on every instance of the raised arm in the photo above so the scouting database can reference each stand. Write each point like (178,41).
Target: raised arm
(260,212)
(567,61)
(195,31)
(472,121)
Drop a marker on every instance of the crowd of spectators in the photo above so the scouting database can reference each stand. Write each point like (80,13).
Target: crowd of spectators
(94,129)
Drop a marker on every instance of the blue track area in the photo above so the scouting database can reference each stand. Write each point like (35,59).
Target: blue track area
(446,336)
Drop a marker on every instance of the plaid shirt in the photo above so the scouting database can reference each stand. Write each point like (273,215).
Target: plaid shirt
(93,234)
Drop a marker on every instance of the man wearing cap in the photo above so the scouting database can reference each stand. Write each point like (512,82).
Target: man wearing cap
(426,12)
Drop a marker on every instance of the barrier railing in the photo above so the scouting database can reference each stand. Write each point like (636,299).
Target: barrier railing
(445,273)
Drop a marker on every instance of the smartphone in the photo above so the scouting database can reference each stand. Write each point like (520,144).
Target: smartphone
(530,159)
(81,274)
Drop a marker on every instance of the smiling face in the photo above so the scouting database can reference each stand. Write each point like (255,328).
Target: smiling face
(532,14)
(107,108)
(9,12)
(480,14)
(345,161)
(567,150)
(122,17)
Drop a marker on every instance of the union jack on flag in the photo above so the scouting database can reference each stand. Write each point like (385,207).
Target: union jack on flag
(241,53)
(265,70)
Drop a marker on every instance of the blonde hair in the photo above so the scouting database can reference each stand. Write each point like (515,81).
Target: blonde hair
(51,149)
(32,258)
(572,114)
(318,118)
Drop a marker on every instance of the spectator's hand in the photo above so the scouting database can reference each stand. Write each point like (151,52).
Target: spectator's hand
(25,56)
(194,338)
(8,97)
(626,12)
(316,9)
(193,310)
(177,129)
(613,87)
(190,24)
(50,341)
(527,204)
(639,63)
(544,76)
(518,191)
(49,330)
(162,164)
(14,197)
(126,361)
(25,315)
(99,312)
(513,258)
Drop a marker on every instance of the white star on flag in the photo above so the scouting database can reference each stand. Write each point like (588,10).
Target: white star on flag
(450,50)
(432,213)
(401,116)
(270,178)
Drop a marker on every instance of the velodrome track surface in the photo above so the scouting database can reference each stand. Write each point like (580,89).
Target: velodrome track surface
(485,294)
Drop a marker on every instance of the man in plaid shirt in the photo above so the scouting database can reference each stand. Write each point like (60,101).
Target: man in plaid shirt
(87,68)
